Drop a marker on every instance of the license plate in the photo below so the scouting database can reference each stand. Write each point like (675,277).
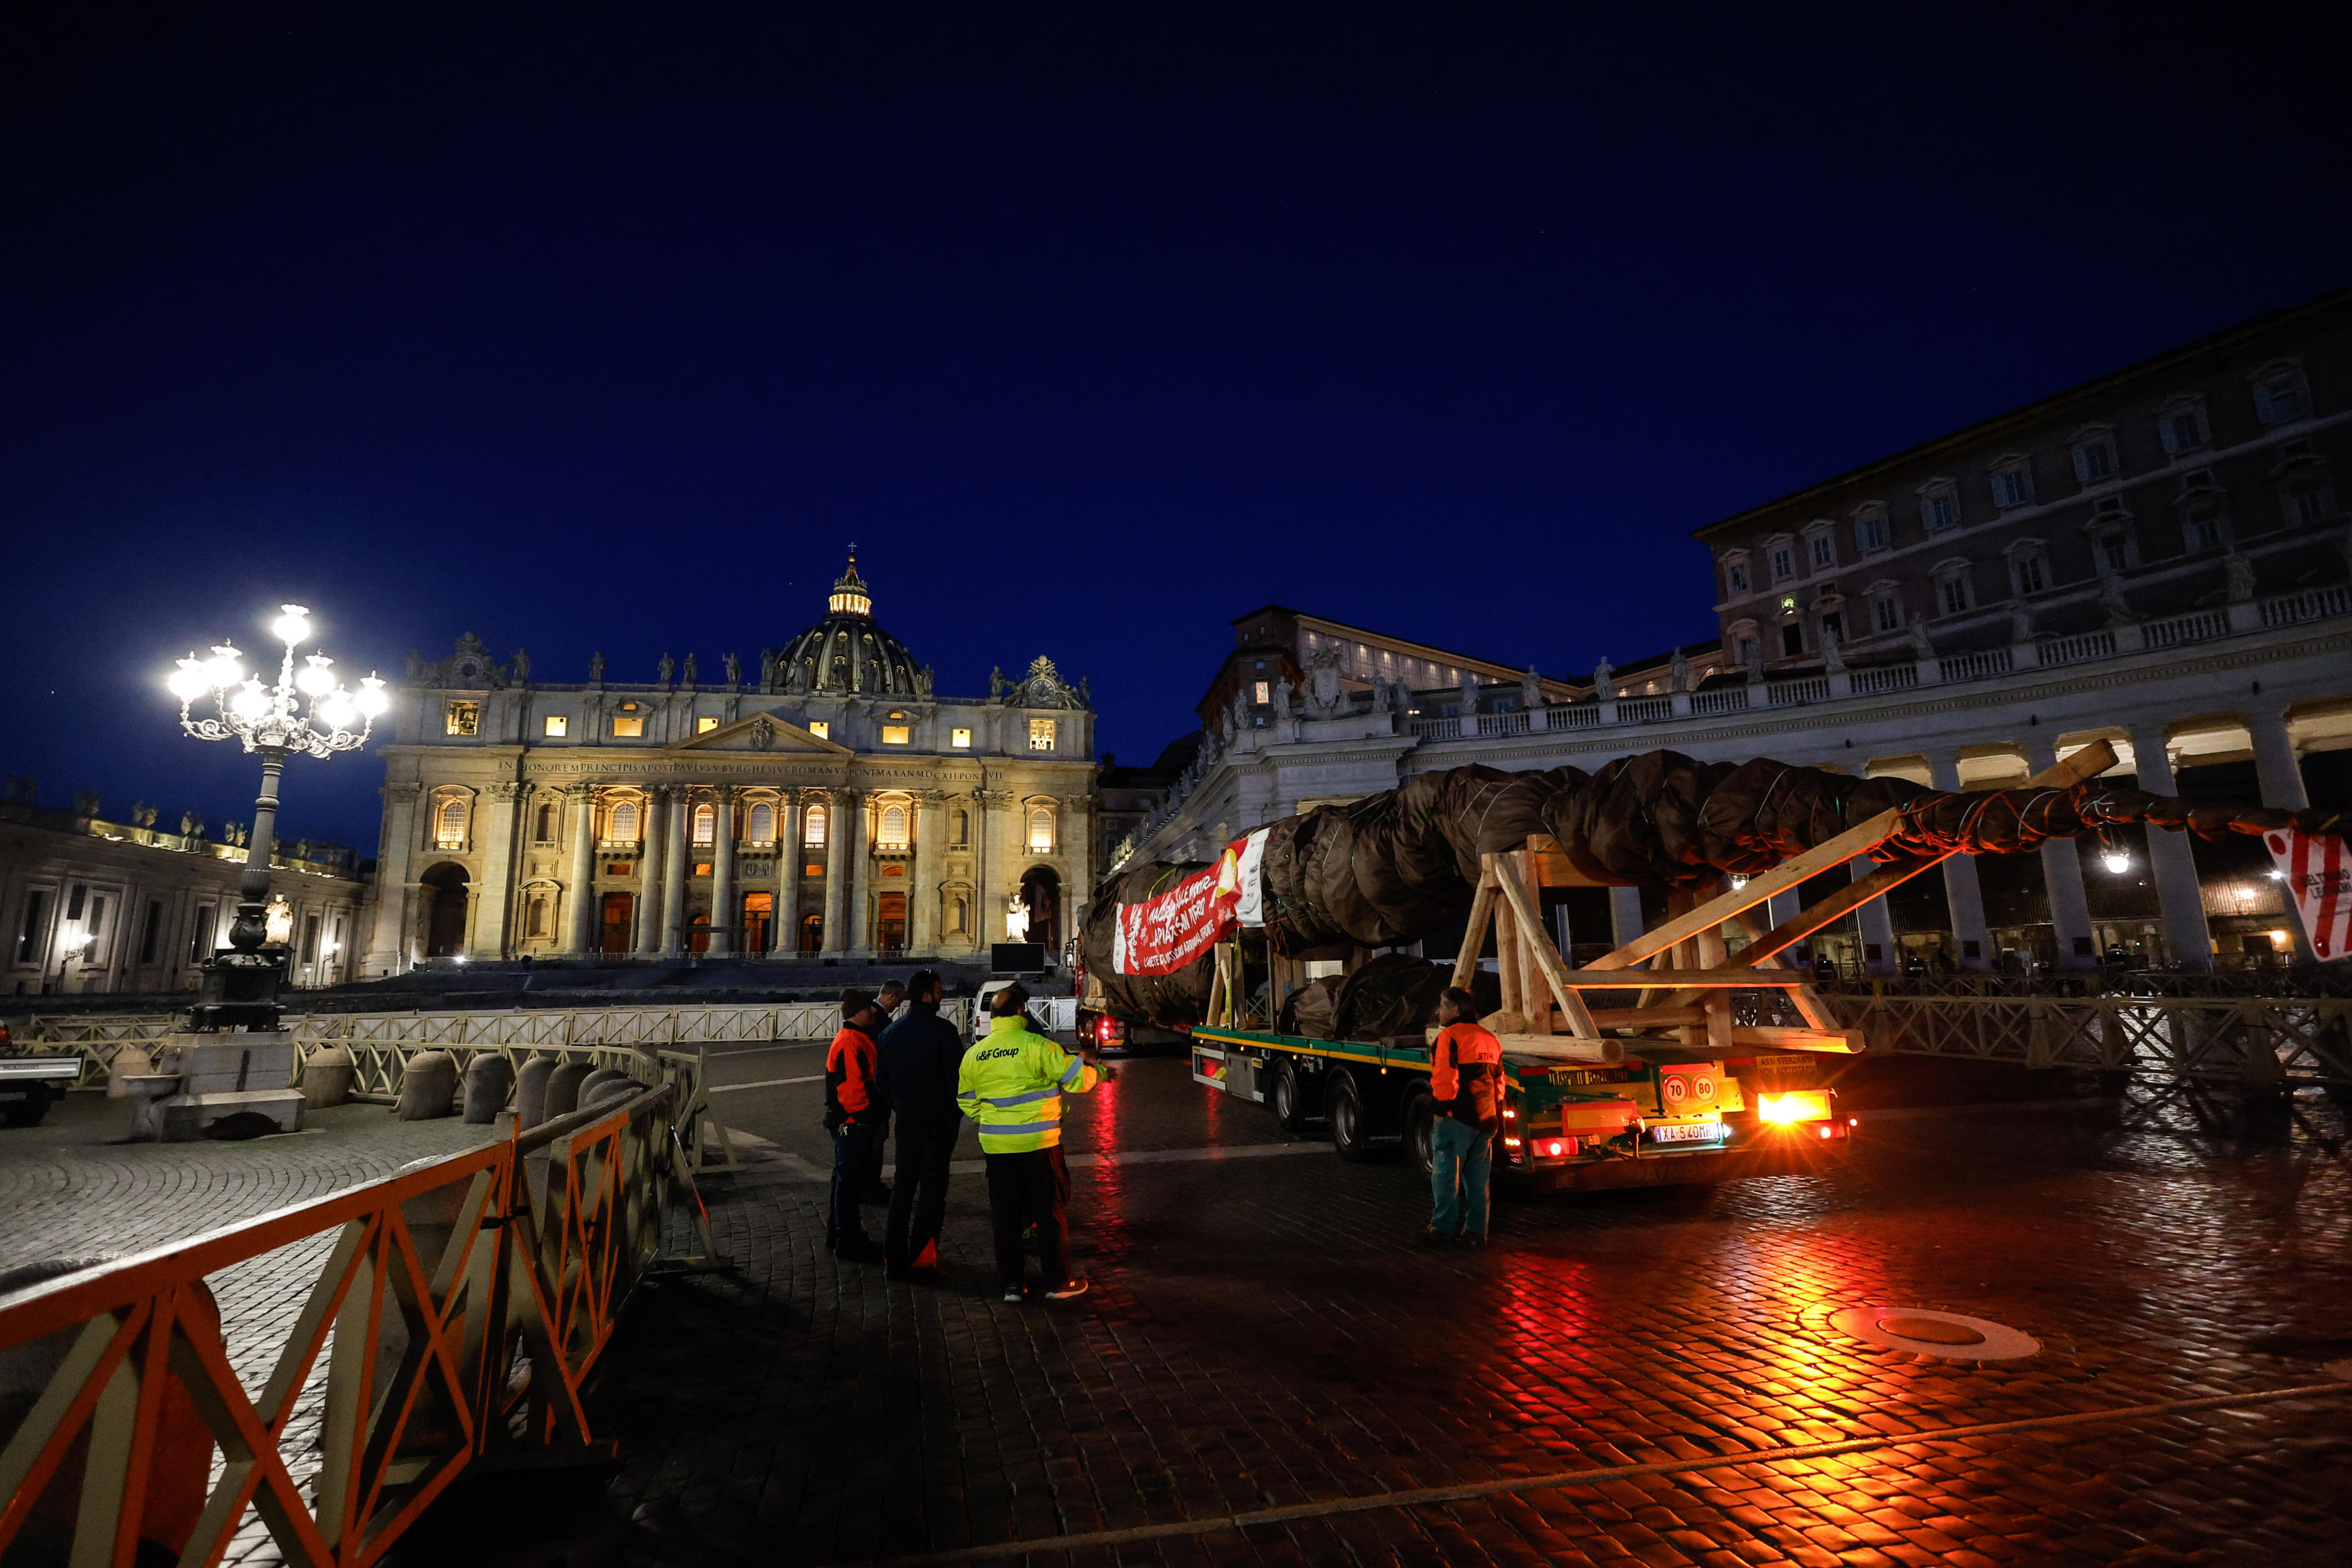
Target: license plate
(1687,1132)
(13,1093)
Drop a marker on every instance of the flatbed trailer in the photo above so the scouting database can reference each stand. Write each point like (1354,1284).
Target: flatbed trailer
(1565,1125)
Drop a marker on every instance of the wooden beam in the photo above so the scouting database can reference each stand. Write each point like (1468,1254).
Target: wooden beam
(1596,979)
(1519,866)
(1647,1017)
(1548,959)
(2087,764)
(1787,874)
(1474,935)
(1847,1042)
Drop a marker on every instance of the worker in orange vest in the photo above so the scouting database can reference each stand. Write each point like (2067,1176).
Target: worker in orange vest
(855,1113)
(1465,1077)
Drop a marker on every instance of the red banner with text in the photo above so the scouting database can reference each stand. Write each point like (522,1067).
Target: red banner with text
(1164,932)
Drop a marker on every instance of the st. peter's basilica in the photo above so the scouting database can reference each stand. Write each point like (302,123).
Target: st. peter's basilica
(831,807)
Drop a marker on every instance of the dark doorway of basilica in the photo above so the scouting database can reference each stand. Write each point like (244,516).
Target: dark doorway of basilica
(759,916)
(698,934)
(812,934)
(445,919)
(1041,898)
(890,925)
(618,908)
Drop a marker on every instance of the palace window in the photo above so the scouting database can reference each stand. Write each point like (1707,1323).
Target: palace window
(2182,428)
(2095,460)
(1939,506)
(821,729)
(1784,563)
(2278,395)
(461,719)
(1792,639)
(706,824)
(891,834)
(624,823)
(2029,572)
(1870,529)
(2114,547)
(1735,576)
(1955,591)
(1832,627)
(763,825)
(628,727)
(2305,498)
(2200,529)
(558,726)
(1261,693)
(959,739)
(1824,552)
(1041,830)
(704,726)
(449,825)
(1041,734)
(2012,484)
(1887,611)
(896,734)
(812,828)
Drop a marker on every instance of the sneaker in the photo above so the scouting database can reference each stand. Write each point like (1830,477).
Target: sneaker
(1065,1291)
(1013,1294)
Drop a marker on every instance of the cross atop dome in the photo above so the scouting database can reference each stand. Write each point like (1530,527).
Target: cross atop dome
(849,594)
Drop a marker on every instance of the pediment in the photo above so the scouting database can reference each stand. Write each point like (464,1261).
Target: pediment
(765,733)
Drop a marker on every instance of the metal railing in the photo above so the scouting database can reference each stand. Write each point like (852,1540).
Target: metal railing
(2272,1042)
(458,1307)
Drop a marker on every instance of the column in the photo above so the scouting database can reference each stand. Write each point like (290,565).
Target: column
(2279,775)
(675,865)
(923,913)
(785,938)
(2177,894)
(857,941)
(838,806)
(1877,925)
(1077,862)
(1963,894)
(1624,915)
(395,883)
(2062,876)
(989,866)
(724,913)
(495,918)
(651,864)
(580,932)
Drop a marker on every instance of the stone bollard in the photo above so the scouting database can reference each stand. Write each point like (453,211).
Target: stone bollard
(563,1087)
(592,1087)
(130,1061)
(427,1086)
(327,1074)
(531,1091)
(490,1077)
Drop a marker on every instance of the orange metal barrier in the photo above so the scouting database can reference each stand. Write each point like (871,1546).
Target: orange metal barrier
(459,1310)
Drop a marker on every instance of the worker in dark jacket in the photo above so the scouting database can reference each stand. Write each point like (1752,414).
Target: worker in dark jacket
(855,1113)
(889,997)
(1465,1078)
(922,1053)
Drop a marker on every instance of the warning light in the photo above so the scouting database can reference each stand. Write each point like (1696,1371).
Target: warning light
(1552,1147)
(1829,1132)
(1778,1110)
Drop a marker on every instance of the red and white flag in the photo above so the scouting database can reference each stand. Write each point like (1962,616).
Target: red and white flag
(2318,876)
(1165,932)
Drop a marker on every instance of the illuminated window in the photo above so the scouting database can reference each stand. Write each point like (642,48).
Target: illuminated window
(1041,830)
(763,824)
(624,823)
(812,827)
(1260,692)
(1041,734)
(461,718)
(959,739)
(626,727)
(893,833)
(894,735)
(449,826)
(704,726)
(819,729)
(706,824)
(558,726)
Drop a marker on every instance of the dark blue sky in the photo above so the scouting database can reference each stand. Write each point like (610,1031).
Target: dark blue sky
(1094,328)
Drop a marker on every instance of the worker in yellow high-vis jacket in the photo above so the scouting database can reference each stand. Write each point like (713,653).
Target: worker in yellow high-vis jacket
(1011,1083)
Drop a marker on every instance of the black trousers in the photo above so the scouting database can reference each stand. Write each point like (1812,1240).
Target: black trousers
(855,1144)
(918,1201)
(1030,1188)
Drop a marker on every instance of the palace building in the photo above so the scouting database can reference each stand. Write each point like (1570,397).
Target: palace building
(831,808)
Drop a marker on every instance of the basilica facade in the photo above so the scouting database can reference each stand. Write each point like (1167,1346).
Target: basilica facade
(831,806)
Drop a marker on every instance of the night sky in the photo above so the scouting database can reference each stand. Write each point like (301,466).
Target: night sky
(1094,328)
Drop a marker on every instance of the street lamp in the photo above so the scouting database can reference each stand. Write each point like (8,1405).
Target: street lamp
(241,985)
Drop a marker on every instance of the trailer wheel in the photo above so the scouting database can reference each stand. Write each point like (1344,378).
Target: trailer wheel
(1288,1097)
(1348,1134)
(28,1111)
(1421,1133)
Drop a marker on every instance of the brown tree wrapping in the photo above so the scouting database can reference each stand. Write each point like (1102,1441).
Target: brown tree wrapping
(1388,870)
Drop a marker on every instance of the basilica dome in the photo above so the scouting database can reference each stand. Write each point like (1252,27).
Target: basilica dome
(845,654)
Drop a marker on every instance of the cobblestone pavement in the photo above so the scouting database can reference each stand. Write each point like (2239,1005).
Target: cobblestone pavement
(1262,1336)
